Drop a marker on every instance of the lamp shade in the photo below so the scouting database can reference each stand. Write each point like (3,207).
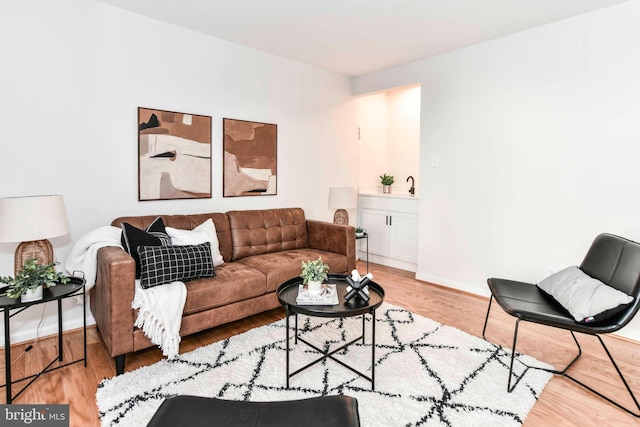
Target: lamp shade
(24,219)
(342,198)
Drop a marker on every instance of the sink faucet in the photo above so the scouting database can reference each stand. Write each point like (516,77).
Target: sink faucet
(412,190)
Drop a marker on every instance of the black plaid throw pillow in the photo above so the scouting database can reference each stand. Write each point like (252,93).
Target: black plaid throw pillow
(165,264)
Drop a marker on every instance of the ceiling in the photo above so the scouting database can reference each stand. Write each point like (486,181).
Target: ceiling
(355,37)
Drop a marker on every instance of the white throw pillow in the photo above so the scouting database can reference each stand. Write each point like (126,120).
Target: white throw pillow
(582,295)
(205,232)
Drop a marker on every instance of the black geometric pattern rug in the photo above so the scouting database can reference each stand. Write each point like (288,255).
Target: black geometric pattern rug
(426,373)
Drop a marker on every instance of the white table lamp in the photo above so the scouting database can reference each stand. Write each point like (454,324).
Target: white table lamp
(31,220)
(342,198)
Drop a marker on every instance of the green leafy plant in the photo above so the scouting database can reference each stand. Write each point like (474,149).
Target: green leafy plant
(386,179)
(359,230)
(314,271)
(31,276)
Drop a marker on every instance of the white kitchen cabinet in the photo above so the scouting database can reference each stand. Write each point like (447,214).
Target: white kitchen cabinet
(403,236)
(375,222)
(392,226)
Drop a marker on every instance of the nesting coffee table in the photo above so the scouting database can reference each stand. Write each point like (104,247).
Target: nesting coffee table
(287,293)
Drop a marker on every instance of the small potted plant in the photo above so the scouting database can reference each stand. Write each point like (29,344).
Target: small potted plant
(30,280)
(359,231)
(313,274)
(386,181)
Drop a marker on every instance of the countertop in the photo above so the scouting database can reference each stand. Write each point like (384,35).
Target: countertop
(390,195)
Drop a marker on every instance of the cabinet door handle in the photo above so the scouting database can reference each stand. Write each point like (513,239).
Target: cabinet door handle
(386,220)
(390,218)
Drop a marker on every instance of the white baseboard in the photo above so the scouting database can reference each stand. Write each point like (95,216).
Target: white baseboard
(49,327)
(630,332)
(474,289)
(389,262)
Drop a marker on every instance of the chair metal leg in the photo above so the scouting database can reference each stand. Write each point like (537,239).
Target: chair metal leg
(510,388)
(553,371)
(513,349)
(566,368)
(624,381)
(563,372)
(513,353)
(486,319)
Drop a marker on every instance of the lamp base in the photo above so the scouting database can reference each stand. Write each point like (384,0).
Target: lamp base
(40,250)
(341,217)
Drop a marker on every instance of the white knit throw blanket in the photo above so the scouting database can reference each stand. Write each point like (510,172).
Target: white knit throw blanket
(160,307)
(160,314)
(84,254)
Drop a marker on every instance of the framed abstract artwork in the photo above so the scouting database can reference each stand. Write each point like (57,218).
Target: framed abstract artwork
(174,155)
(250,163)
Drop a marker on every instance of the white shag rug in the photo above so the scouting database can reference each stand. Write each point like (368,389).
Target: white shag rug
(426,374)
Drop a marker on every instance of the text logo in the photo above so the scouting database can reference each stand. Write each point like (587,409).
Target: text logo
(34,415)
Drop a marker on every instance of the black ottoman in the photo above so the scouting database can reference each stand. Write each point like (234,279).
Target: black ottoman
(193,411)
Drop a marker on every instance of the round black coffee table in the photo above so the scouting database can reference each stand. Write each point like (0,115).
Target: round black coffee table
(287,293)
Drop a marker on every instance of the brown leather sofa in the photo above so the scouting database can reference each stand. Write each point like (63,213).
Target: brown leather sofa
(261,250)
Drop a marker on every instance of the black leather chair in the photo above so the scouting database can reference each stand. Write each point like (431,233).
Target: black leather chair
(614,261)
(193,411)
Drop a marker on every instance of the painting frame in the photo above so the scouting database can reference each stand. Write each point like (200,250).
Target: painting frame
(174,155)
(250,158)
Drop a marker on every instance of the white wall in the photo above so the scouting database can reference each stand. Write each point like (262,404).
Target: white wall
(404,137)
(74,73)
(390,138)
(374,128)
(539,144)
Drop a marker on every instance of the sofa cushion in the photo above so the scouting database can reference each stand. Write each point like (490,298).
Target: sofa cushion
(132,237)
(279,267)
(205,232)
(165,264)
(233,282)
(255,232)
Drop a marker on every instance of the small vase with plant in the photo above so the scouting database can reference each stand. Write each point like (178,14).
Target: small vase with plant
(314,272)
(30,280)
(359,232)
(386,181)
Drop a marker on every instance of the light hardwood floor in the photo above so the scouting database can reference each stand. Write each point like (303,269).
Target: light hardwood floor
(562,402)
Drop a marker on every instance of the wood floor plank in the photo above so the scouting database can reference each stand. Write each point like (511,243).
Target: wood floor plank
(561,403)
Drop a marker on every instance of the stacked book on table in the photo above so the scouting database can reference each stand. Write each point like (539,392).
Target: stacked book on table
(327,296)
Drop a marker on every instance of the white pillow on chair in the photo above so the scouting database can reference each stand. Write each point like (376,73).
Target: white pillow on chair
(587,299)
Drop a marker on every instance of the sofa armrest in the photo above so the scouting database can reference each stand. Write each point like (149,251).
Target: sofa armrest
(337,238)
(111,298)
